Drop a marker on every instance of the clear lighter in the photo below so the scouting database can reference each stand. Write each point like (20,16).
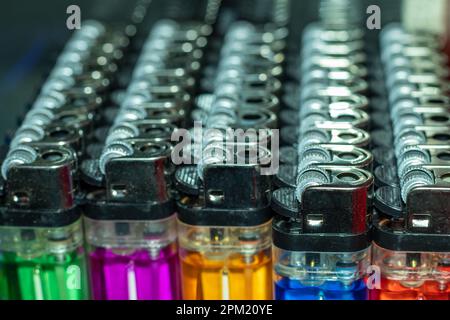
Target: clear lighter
(321,235)
(130,225)
(225,246)
(41,239)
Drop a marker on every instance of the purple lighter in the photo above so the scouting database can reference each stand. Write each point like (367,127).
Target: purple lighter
(130,224)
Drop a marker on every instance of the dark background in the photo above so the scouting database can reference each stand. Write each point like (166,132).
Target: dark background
(32,32)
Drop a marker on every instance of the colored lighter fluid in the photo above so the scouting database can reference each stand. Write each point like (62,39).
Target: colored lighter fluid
(225,263)
(411,230)
(133,266)
(320,233)
(119,276)
(41,237)
(411,275)
(43,268)
(325,277)
(132,238)
(130,221)
(224,206)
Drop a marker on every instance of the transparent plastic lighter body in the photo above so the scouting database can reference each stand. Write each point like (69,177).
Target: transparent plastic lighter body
(411,275)
(133,260)
(43,263)
(320,275)
(226,263)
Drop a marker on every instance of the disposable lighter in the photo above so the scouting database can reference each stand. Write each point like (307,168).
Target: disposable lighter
(225,246)
(320,232)
(41,242)
(130,224)
(411,240)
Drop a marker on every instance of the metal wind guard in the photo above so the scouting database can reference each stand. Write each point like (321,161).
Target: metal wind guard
(224,209)
(130,219)
(41,241)
(412,222)
(321,230)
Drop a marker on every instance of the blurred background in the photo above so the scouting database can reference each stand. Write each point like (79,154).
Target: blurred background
(33,32)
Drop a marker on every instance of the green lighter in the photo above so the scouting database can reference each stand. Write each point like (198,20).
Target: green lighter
(41,240)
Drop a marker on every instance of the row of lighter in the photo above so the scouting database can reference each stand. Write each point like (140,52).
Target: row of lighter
(160,175)
(130,217)
(224,207)
(41,238)
(62,161)
(116,166)
(329,241)
(411,218)
(321,228)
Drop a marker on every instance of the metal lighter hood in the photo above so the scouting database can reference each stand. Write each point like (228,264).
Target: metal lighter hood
(143,176)
(44,184)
